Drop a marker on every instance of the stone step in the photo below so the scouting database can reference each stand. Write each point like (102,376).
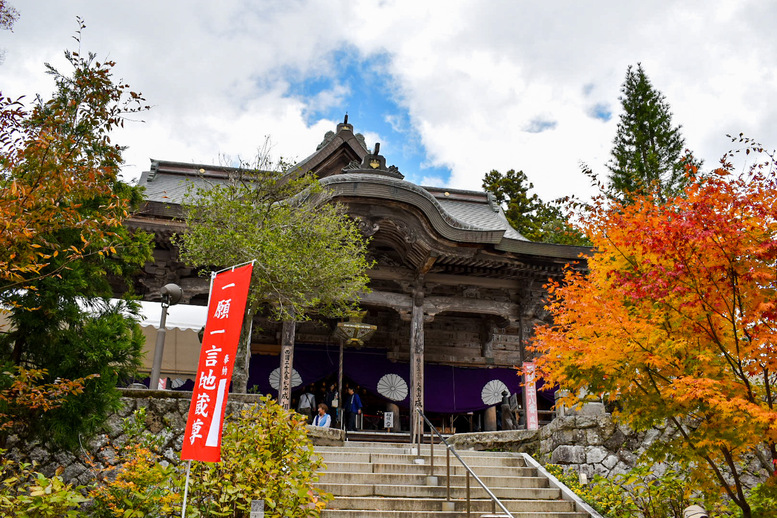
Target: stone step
(440,491)
(480,505)
(391,480)
(405,448)
(367,513)
(407,479)
(439,469)
(473,459)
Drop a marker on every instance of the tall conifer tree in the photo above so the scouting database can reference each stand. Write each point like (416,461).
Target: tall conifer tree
(648,154)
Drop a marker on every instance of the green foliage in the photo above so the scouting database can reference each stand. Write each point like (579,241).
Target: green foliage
(141,484)
(25,493)
(310,257)
(102,346)
(763,499)
(607,498)
(24,399)
(648,155)
(638,493)
(527,213)
(62,209)
(266,455)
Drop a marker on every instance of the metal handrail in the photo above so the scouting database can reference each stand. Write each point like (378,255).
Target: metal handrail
(451,449)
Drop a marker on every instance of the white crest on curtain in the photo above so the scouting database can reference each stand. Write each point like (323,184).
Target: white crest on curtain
(492,392)
(275,378)
(393,387)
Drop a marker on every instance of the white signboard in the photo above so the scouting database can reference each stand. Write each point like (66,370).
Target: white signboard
(388,419)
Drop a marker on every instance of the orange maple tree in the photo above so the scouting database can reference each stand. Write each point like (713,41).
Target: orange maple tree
(676,321)
(53,158)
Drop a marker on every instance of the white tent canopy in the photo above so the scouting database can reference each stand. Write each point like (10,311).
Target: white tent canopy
(180,316)
(182,345)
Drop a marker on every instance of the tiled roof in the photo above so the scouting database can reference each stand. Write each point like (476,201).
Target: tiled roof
(468,214)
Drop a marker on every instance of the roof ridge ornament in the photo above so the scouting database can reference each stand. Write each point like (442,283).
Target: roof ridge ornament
(374,163)
(344,125)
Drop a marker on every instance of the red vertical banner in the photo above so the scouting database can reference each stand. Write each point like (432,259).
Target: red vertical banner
(530,391)
(228,296)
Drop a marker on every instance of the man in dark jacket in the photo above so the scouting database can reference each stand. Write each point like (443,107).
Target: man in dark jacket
(352,408)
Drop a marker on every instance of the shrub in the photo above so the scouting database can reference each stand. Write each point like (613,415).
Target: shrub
(25,493)
(266,455)
(638,493)
(141,484)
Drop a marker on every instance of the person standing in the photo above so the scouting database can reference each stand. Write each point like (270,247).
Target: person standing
(353,407)
(322,419)
(332,401)
(307,402)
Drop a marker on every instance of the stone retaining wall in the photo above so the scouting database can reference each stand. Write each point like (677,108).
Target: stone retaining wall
(588,442)
(166,414)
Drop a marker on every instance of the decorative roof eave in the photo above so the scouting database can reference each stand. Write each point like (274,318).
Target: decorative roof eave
(187,169)
(545,249)
(382,187)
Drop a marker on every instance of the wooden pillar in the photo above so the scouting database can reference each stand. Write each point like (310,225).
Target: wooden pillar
(416,361)
(489,419)
(340,395)
(287,362)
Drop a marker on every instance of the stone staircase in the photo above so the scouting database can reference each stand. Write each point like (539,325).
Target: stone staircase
(371,480)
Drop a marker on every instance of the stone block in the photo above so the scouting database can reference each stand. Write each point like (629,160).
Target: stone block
(615,440)
(326,436)
(586,421)
(568,455)
(596,455)
(628,458)
(546,446)
(593,437)
(73,471)
(610,462)
(619,469)
(566,423)
(650,437)
(591,409)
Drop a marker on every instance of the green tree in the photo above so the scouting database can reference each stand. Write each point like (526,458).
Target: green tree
(527,213)
(61,212)
(310,257)
(648,154)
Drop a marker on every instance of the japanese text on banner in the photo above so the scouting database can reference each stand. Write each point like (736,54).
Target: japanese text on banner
(530,389)
(229,293)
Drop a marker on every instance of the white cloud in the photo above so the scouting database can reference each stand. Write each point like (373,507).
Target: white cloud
(473,76)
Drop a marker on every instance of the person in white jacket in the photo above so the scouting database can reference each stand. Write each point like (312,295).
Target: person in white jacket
(322,419)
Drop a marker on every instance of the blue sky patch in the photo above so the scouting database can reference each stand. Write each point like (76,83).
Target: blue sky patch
(600,111)
(540,125)
(363,87)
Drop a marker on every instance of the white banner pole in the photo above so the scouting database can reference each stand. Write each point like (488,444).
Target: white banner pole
(186,489)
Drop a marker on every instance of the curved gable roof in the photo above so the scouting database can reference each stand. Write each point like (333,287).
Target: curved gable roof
(457,215)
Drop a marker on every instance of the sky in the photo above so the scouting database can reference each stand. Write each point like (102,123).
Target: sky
(450,89)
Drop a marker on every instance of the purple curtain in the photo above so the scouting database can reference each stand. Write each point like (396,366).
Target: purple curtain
(447,389)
